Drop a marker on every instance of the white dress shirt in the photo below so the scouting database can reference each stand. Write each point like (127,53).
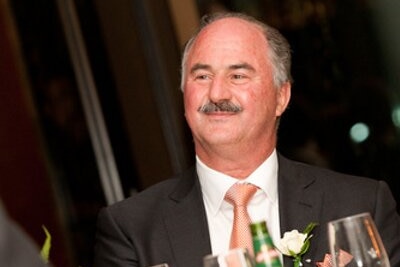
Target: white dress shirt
(263,205)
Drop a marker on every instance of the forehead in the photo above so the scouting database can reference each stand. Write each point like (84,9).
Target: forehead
(230,35)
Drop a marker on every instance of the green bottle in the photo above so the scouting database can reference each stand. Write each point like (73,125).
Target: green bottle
(265,253)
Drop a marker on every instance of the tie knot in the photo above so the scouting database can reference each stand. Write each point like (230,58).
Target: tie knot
(240,194)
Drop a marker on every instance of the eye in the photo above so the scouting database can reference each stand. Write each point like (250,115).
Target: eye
(238,76)
(202,77)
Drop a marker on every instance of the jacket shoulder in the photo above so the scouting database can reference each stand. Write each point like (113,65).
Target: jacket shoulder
(320,175)
(152,199)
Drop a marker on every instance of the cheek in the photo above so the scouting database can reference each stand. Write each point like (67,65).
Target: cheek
(260,98)
(194,96)
(189,101)
(263,104)
(192,102)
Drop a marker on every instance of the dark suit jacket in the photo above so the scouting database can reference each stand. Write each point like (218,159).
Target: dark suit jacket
(167,222)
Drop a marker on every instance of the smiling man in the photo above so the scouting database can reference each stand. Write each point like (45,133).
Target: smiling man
(236,84)
(228,65)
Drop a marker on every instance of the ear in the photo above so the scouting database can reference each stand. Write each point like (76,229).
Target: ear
(283,97)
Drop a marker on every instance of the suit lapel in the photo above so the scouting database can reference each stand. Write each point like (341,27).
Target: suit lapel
(298,203)
(186,222)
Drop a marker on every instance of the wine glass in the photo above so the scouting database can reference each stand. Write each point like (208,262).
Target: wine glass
(355,241)
(238,257)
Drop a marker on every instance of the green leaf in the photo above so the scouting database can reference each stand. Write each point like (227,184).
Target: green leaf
(307,231)
(309,228)
(305,247)
(45,252)
(292,254)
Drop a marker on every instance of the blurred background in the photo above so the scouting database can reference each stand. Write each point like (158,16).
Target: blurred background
(91,110)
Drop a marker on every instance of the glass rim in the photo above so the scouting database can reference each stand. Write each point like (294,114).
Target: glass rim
(351,217)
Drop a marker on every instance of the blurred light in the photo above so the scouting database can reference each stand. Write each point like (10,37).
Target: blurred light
(359,132)
(396,116)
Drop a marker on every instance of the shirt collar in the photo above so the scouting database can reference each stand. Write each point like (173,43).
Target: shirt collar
(215,184)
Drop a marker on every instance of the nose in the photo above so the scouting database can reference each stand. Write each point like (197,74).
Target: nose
(219,90)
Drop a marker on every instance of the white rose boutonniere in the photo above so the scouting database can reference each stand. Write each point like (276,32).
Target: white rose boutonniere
(295,244)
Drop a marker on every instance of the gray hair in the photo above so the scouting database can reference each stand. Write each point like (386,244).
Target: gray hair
(279,55)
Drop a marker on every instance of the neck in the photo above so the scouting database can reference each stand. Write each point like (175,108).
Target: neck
(238,163)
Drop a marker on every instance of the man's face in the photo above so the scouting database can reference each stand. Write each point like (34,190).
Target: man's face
(228,64)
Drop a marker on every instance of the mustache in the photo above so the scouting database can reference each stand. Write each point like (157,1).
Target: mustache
(221,106)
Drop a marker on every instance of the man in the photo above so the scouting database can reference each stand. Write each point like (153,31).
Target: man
(236,83)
